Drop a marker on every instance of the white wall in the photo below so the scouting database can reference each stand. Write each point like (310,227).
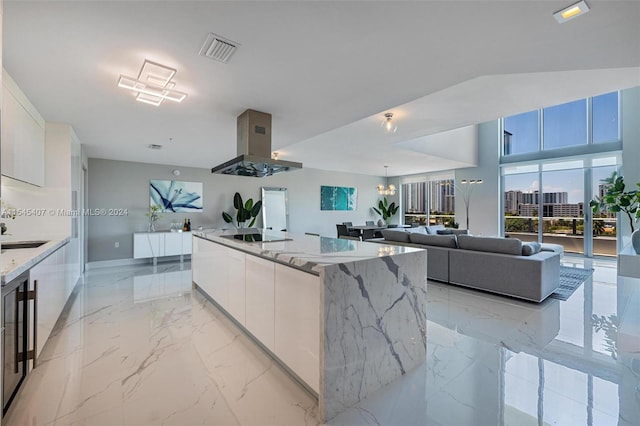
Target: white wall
(484,201)
(125,185)
(630,149)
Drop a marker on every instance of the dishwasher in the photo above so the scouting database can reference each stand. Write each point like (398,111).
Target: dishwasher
(15,354)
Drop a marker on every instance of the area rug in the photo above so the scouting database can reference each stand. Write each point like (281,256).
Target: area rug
(570,279)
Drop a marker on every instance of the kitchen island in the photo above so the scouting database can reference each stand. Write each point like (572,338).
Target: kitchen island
(344,317)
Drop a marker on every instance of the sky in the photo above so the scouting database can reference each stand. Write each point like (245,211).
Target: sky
(564,125)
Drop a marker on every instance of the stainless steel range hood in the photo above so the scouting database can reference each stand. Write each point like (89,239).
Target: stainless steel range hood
(254,149)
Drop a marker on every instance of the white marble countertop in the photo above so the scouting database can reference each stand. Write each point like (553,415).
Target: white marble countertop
(306,252)
(15,261)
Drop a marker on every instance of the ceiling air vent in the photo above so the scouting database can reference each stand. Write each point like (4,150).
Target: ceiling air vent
(218,48)
(154,146)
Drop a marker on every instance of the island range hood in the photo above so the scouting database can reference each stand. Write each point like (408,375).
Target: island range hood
(254,149)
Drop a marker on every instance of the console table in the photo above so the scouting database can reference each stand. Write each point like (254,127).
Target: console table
(158,244)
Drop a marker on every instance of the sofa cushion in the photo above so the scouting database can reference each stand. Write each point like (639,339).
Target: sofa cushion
(491,244)
(531,248)
(433,229)
(417,230)
(396,235)
(460,231)
(445,232)
(434,240)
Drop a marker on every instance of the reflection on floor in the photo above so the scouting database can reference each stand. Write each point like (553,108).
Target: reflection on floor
(138,347)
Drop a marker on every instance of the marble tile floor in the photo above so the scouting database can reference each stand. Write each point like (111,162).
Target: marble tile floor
(138,347)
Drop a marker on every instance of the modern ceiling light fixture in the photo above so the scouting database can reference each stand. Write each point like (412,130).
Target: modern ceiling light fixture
(571,12)
(153,85)
(388,190)
(388,124)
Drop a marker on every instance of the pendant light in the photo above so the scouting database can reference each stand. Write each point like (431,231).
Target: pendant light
(388,190)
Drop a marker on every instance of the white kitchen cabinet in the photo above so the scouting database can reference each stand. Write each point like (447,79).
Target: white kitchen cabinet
(260,287)
(235,283)
(186,242)
(51,277)
(198,261)
(158,244)
(297,322)
(217,274)
(172,244)
(23,135)
(148,244)
(203,261)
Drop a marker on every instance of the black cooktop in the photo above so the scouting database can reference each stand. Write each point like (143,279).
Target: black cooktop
(256,237)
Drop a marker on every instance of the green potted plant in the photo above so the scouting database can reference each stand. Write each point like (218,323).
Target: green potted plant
(386,210)
(154,215)
(244,211)
(618,199)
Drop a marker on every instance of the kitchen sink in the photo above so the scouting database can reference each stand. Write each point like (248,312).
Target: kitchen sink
(22,245)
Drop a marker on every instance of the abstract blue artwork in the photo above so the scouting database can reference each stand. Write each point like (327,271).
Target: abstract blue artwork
(176,196)
(338,198)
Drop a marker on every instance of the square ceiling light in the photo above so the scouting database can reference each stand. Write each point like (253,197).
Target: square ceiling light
(153,85)
(571,12)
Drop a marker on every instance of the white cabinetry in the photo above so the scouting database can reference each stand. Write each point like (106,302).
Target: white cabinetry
(260,299)
(148,244)
(53,292)
(235,283)
(220,272)
(23,134)
(277,304)
(158,244)
(297,322)
(202,264)
(186,242)
(172,244)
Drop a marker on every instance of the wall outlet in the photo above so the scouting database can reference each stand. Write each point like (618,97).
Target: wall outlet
(117,244)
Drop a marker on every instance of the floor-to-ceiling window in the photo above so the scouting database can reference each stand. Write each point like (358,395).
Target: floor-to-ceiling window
(553,163)
(429,200)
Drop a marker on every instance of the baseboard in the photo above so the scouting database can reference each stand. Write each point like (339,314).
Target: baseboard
(127,262)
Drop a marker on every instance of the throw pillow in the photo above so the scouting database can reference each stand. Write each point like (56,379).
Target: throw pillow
(530,248)
(417,230)
(445,231)
(433,229)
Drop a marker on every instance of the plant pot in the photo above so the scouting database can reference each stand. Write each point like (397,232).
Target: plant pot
(380,222)
(635,240)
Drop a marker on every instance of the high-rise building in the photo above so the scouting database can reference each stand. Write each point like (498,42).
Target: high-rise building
(443,195)
(414,197)
(512,199)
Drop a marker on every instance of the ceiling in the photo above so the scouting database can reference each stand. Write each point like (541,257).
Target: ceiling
(326,71)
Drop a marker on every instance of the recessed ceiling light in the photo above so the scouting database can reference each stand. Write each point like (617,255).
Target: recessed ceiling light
(571,12)
(153,85)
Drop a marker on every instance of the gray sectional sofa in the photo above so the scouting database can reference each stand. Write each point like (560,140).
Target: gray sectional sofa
(505,266)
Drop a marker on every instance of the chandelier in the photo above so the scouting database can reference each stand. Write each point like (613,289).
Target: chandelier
(388,190)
